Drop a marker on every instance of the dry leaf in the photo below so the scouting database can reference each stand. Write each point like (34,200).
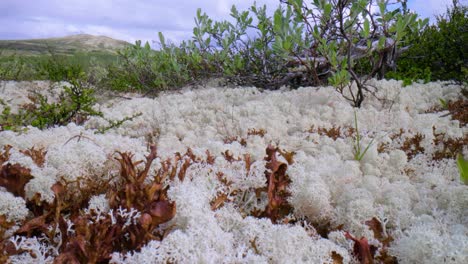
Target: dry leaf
(14,178)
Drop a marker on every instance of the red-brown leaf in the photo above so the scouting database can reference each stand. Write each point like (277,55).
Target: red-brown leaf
(37,223)
(66,258)
(337,258)
(5,156)
(37,155)
(361,249)
(162,211)
(14,178)
(218,201)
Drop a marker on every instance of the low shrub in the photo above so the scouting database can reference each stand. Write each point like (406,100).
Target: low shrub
(75,105)
(11,67)
(57,69)
(300,45)
(142,69)
(439,52)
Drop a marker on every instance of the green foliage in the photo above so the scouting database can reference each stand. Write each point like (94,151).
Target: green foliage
(346,34)
(413,73)
(11,121)
(217,49)
(59,69)
(463,168)
(301,44)
(142,69)
(11,68)
(90,66)
(116,123)
(439,52)
(75,105)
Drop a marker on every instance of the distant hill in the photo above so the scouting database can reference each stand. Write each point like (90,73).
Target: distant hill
(64,45)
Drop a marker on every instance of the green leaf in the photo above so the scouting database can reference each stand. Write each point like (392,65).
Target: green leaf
(278,21)
(443,103)
(382,6)
(234,12)
(463,168)
(366,31)
(424,22)
(208,42)
(196,32)
(327,9)
(287,44)
(161,39)
(382,41)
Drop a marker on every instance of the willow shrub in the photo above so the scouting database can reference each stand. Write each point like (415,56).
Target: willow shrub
(300,44)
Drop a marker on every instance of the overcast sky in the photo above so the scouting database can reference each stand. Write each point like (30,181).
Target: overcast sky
(131,20)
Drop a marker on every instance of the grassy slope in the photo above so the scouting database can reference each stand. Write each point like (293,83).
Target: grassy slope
(65,45)
(25,59)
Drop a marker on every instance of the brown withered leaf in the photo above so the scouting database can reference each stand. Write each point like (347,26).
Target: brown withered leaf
(248,162)
(92,242)
(412,145)
(253,244)
(459,111)
(231,139)
(218,201)
(447,148)
(58,189)
(37,155)
(258,132)
(33,225)
(66,258)
(128,170)
(14,178)
(146,221)
(386,258)
(229,156)
(162,211)
(222,178)
(382,147)
(337,258)
(149,159)
(5,156)
(153,191)
(334,132)
(4,223)
(277,183)
(376,226)
(183,169)
(189,153)
(361,249)
(288,156)
(7,249)
(150,198)
(210,159)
